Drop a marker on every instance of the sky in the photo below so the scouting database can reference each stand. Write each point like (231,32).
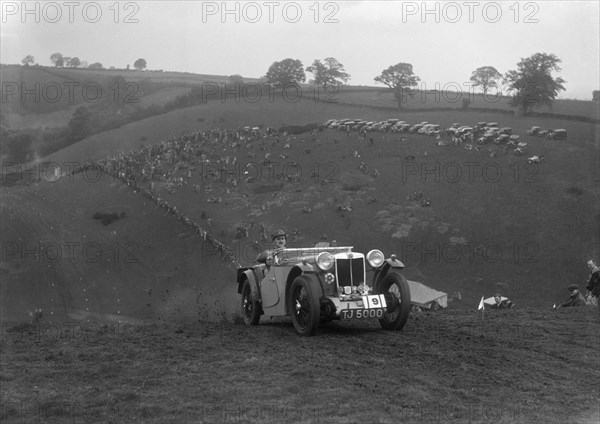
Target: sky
(444,41)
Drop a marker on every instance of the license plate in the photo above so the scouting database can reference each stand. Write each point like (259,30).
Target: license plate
(361,313)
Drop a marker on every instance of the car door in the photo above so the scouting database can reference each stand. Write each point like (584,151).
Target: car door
(272,290)
(268,288)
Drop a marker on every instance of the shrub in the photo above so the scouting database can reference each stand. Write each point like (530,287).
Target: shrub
(576,191)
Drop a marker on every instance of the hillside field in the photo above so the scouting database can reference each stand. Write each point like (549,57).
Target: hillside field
(112,310)
(525,366)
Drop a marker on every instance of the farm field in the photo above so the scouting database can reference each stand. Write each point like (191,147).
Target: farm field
(449,98)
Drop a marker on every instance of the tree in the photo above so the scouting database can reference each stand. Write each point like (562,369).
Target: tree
(27,60)
(57,60)
(140,64)
(96,65)
(235,79)
(532,83)
(596,96)
(288,71)
(400,79)
(20,147)
(80,123)
(74,62)
(485,77)
(330,73)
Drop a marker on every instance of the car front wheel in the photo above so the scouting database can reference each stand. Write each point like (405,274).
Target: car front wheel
(250,307)
(304,305)
(397,313)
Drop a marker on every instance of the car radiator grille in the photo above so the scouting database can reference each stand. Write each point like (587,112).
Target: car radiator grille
(350,272)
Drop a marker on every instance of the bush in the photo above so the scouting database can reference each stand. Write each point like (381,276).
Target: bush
(575,191)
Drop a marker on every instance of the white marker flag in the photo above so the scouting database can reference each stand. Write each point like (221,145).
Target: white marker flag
(481,304)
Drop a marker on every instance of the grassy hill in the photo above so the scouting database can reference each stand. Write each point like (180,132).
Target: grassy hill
(520,366)
(58,258)
(102,262)
(526,231)
(167,85)
(40,96)
(527,234)
(381,97)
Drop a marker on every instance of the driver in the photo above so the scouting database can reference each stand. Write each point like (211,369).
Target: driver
(279,239)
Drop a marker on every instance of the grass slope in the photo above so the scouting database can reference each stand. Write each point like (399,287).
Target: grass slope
(526,231)
(519,366)
(380,97)
(146,266)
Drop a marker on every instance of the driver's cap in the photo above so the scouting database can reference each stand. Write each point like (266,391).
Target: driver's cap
(278,233)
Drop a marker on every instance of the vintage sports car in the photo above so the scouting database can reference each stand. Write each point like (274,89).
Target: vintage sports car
(323,283)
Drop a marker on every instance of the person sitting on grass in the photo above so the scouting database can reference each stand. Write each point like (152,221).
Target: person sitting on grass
(500,303)
(575,299)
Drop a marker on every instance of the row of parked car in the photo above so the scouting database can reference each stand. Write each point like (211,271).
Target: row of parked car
(490,130)
(558,134)
(482,132)
(390,125)
(486,131)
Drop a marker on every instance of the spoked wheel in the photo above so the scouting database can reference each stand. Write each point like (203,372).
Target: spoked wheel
(304,305)
(396,314)
(250,307)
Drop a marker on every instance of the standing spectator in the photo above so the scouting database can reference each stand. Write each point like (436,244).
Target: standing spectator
(593,286)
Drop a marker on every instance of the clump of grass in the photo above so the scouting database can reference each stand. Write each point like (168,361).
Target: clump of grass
(574,190)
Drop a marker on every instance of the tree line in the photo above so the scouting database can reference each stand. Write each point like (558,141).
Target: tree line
(61,61)
(531,84)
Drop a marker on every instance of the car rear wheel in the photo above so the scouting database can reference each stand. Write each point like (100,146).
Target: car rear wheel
(250,307)
(304,305)
(397,314)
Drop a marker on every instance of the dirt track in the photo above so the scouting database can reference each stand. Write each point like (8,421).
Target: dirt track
(519,366)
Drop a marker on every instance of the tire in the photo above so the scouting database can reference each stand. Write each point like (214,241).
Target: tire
(396,284)
(250,307)
(304,305)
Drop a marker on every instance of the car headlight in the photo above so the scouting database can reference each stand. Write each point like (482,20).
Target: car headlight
(375,258)
(325,261)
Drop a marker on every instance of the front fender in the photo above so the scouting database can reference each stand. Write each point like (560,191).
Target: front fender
(303,269)
(388,265)
(250,275)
